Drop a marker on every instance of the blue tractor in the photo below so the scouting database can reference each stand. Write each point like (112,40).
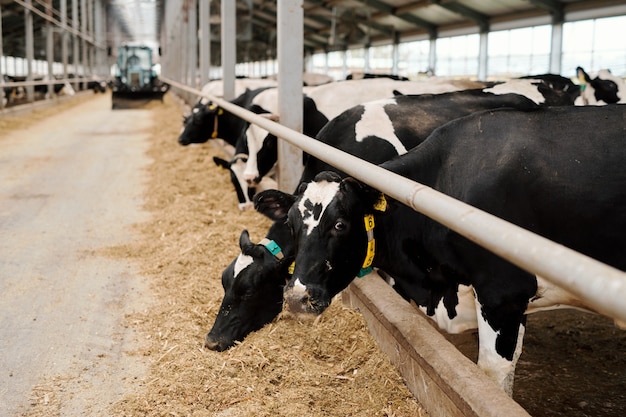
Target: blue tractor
(135,80)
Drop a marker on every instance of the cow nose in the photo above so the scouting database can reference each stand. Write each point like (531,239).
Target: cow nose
(214,344)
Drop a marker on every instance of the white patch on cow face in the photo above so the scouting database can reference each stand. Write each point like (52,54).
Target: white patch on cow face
(316,194)
(195,110)
(495,366)
(243,261)
(298,286)
(375,122)
(204,101)
(523,87)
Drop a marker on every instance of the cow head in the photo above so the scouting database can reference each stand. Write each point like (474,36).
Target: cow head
(605,88)
(202,124)
(556,89)
(253,289)
(328,223)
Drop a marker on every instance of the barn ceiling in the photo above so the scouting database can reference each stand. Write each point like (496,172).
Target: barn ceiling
(328,24)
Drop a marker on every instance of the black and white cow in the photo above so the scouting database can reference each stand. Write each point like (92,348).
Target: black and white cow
(375,131)
(257,147)
(556,171)
(328,105)
(256,153)
(605,88)
(209,121)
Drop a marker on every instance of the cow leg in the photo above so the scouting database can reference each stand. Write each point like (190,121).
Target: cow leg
(255,137)
(499,346)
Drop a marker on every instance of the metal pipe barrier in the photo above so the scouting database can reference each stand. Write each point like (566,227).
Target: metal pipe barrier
(601,286)
(47,82)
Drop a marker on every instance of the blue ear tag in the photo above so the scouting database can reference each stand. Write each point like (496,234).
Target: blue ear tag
(273,247)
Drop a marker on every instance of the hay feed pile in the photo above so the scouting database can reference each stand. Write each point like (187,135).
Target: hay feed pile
(289,368)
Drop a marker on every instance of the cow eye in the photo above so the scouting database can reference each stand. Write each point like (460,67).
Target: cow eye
(340,225)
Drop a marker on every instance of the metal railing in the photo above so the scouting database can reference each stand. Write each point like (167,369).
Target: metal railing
(602,287)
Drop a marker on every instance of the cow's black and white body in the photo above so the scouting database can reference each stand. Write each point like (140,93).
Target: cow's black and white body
(604,88)
(256,148)
(557,172)
(547,89)
(375,131)
(209,121)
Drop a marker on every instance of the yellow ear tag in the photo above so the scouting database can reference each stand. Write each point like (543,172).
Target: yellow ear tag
(220,111)
(291,268)
(212,107)
(381,204)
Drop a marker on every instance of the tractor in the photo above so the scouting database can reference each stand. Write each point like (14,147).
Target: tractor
(135,80)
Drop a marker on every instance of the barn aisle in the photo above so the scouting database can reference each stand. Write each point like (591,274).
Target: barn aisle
(71,183)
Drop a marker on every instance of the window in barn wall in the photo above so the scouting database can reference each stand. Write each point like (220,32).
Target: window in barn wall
(594,45)
(413,58)
(336,68)
(381,59)
(355,60)
(518,52)
(457,56)
(317,63)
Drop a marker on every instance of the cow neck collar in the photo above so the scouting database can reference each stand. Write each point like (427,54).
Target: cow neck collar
(380,205)
(218,112)
(371,246)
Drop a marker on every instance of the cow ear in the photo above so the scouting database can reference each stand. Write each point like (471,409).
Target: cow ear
(244,239)
(330,176)
(273,204)
(370,197)
(221,162)
(582,75)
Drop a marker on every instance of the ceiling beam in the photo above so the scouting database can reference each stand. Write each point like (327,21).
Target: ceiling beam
(269,20)
(390,11)
(407,17)
(556,8)
(481,20)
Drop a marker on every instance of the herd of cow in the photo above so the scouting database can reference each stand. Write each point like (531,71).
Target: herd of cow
(541,152)
(12,95)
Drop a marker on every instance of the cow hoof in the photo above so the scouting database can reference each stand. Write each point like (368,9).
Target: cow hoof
(245,206)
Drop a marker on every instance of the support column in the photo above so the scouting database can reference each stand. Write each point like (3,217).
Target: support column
(64,51)
(229,48)
(50,48)
(1,71)
(432,56)
(83,41)
(76,50)
(556,47)
(290,30)
(192,30)
(483,54)
(395,55)
(30,50)
(205,41)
